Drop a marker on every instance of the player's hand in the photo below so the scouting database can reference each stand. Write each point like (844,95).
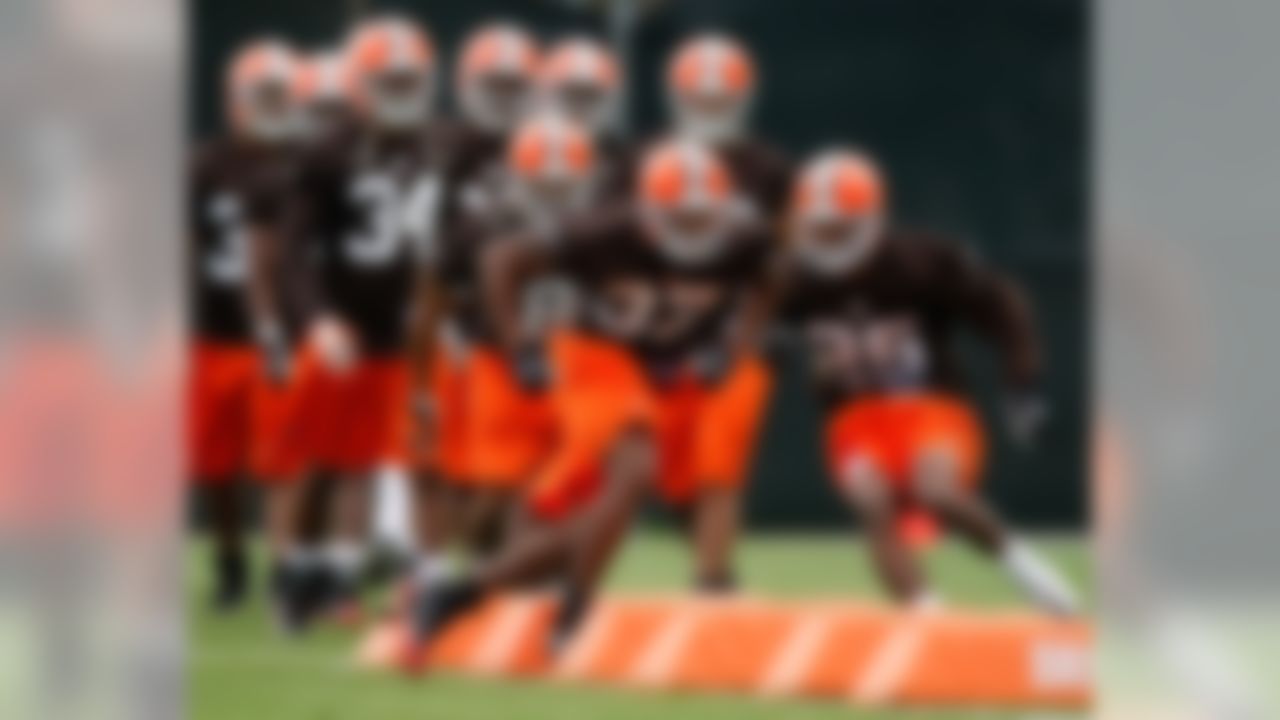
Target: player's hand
(277,360)
(334,342)
(1026,413)
(532,371)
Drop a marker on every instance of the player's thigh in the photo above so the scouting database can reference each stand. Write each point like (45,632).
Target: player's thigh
(861,457)
(728,425)
(947,449)
(219,399)
(371,403)
(508,428)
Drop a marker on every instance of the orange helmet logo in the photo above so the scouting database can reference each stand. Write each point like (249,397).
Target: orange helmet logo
(388,44)
(550,146)
(391,62)
(711,65)
(681,173)
(579,61)
(839,183)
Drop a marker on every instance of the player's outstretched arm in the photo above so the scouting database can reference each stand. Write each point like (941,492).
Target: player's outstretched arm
(998,308)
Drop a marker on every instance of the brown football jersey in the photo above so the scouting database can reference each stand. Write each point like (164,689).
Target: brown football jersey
(233,186)
(371,207)
(890,324)
(762,174)
(489,213)
(471,157)
(663,310)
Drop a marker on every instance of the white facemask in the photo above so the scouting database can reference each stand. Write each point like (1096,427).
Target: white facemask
(836,258)
(682,246)
(713,127)
(401,110)
(492,113)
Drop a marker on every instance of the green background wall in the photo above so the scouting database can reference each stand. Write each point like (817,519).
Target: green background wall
(977,108)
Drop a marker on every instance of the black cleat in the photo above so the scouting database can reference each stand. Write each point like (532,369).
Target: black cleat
(232,581)
(573,609)
(436,607)
(717,585)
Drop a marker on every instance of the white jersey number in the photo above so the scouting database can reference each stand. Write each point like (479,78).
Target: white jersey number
(227,263)
(394,214)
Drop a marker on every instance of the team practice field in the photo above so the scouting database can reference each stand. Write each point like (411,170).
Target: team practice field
(241,667)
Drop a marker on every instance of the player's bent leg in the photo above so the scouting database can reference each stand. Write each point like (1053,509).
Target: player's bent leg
(939,484)
(218,405)
(222,497)
(866,490)
(716,518)
(631,472)
(725,438)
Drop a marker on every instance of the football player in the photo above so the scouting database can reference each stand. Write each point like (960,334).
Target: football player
(369,197)
(711,85)
(494,85)
(648,384)
(880,309)
(239,187)
(548,177)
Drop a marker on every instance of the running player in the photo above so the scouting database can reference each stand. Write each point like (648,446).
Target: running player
(548,178)
(239,184)
(648,385)
(494,86)
(879,309)
(369,198)
(711,85)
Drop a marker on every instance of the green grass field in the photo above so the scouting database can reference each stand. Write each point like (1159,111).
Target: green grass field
(241,669)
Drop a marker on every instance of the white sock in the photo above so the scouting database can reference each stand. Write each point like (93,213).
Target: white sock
(925,602)
(1038,579)
(344,557)
(392,519)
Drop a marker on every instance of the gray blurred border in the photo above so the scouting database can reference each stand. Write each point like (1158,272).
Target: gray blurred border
(1187,192)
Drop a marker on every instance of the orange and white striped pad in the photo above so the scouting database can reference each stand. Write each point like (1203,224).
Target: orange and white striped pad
(862,654)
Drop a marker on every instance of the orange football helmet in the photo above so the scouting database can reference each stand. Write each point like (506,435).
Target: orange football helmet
(551,161)
(392,64)
(685,195)
(260,87)
(579,77)
(711,82)
(837,210)
(495,75)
